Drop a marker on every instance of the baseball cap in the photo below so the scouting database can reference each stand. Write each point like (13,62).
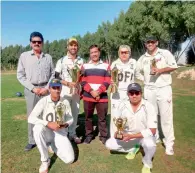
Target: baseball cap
(55,82)
(134,87)
(151,38)
(71,40)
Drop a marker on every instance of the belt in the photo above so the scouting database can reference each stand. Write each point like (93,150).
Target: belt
(40,84)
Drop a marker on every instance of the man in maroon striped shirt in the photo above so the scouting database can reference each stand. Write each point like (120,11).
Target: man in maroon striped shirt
(95,82)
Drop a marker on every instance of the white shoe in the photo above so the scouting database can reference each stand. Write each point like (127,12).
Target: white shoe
(169,151)
(44,166)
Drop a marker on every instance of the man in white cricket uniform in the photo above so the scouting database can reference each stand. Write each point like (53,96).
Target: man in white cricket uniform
(46,130)
(157,89)
(139,128)
(62,69)
(127,72)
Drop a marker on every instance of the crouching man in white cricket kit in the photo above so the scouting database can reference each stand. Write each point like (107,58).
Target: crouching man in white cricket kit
(46,130)
(139,127)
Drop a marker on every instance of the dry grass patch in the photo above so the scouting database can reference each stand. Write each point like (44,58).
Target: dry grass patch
(12,99)
(187,74)
(20,117)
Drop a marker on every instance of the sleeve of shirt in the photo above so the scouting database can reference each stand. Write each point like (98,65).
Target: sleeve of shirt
(21,74)
(170,59)
(84,82)
(59,66)
(68,118)
(52,72)
(138,74)
(107,80)
(36,112)
(151,116)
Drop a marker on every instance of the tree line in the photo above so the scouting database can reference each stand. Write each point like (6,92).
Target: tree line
(170,21)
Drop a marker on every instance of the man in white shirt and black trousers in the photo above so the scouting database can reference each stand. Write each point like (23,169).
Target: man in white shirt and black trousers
(46,130)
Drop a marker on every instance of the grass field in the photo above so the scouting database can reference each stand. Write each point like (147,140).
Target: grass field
(95,158)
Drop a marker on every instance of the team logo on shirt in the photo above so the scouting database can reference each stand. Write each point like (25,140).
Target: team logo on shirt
(131,66)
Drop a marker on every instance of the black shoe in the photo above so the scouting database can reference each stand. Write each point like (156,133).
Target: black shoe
(103,140)
(87,140)
(30,147)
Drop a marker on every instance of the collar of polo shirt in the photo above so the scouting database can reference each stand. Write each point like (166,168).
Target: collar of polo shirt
(157,51)
(42,54)
(99,62)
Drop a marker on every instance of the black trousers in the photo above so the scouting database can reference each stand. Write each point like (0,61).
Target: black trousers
(102,110)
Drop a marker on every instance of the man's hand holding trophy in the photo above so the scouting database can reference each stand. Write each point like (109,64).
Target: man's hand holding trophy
(120,124)
(153,66)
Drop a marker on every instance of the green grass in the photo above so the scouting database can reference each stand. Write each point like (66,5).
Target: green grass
(95,158)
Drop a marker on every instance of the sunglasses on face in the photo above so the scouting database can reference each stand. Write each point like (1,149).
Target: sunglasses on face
(134,92)
(148,42)
(34,42)
(56,87)
(124,52)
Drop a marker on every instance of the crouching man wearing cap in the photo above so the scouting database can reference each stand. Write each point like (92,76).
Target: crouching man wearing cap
(139,128)
(46,130)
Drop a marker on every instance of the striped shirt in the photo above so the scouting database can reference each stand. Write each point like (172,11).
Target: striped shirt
(95,77)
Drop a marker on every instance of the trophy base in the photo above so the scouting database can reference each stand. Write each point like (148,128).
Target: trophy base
(119,136)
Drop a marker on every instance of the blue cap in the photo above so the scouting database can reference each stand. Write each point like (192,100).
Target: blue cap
(134,87)
(55,82)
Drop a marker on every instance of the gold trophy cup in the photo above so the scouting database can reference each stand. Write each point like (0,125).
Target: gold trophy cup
(152,65)
(114,77)
(60,113)
(120,124)
(75,73)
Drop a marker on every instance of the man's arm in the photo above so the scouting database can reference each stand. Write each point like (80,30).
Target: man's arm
(36,112)
(142,134)
(107,80)
(21,74)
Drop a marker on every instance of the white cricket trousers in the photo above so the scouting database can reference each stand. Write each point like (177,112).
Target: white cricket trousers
(74,101)
(161,98)
(59,143)
(116,99)
(148,144)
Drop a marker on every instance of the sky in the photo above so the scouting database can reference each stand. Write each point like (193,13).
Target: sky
(55,20)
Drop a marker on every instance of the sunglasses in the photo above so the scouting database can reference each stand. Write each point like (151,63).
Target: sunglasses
(148,42)
(56,87)
(134,92)
(124,52)
(34,42)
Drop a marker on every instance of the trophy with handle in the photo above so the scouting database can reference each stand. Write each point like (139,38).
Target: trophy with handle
(114,77)
(152,65)
(120,124)
(75,74)
(60,110)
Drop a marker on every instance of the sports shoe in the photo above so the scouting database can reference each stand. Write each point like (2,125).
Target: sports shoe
(169,151)
(146,170)
(87,140)
(44,166)
(131,155)
(30,147)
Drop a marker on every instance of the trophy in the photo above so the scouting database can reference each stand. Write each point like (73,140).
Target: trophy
(60,110)
(152,65)
(75,74)
(114,77)
(120,124)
